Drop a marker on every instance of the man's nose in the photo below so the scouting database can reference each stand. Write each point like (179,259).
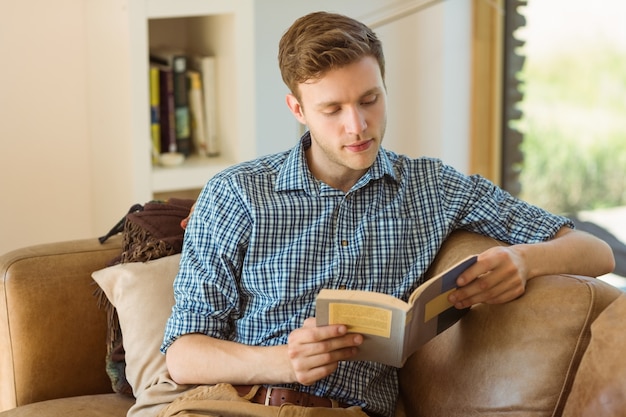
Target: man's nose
(355,121)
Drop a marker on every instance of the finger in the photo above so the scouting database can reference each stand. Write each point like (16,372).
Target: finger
(318,342)
(486,263)
(465,297)
(491,289)
(310,333)
(472,273)
(310,322)
(314,361)
(309,369)
(493,259)
(469,291)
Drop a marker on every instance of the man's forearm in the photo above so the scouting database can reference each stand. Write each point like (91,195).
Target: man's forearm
(570,252)
(200,359)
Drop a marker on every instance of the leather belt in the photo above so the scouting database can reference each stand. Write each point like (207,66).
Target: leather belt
(279,396)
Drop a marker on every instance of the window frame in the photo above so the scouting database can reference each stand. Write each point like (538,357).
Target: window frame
(496,92)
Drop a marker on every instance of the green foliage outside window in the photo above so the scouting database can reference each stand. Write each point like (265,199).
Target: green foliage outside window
(574,128)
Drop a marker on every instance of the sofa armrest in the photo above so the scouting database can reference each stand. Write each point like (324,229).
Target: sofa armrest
(458,246)
(517,358)
(52,332)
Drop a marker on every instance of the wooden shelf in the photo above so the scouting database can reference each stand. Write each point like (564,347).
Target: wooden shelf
(156,9)
(192,174)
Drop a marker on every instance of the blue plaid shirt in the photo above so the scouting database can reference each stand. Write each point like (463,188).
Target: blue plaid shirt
(266,237)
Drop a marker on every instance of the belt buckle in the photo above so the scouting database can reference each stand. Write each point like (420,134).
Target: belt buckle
(268,395)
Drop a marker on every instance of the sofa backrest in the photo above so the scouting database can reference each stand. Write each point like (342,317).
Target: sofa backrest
(52,332)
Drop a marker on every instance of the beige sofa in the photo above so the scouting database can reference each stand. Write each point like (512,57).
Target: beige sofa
(554,351)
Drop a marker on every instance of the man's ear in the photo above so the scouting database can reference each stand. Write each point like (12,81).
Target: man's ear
(296,108)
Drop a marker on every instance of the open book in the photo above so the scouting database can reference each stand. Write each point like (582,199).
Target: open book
(394,329)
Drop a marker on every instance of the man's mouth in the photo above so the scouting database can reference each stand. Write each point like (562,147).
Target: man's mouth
(360,146)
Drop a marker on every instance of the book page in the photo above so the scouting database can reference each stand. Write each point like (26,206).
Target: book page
(361,319)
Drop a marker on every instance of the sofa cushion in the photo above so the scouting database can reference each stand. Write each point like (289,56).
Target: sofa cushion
(143,297)
(102,405)
(517,358)
(599,386)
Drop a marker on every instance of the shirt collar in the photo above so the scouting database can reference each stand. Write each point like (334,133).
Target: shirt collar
(295,175)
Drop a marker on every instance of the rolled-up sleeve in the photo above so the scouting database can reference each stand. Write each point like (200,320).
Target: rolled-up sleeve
(491,211)
(205,289)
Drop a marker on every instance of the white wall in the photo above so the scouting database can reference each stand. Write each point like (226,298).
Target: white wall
(428,74)
(45,186)
(44,169)
(428,57)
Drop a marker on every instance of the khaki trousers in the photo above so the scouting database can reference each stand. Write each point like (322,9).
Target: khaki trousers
(222,400)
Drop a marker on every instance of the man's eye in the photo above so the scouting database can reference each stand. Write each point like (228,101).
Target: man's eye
(370,99)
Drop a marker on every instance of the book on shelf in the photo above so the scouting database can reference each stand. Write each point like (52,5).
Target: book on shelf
(155,125)
(206,66)
(177,61)
(196,112)
(167,118)
(392,328)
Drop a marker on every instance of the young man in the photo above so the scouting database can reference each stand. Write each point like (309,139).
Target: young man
(338,210)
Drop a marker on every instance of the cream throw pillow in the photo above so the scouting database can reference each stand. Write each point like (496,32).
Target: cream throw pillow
(143,296)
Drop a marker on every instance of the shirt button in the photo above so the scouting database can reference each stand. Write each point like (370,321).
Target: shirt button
(344,243)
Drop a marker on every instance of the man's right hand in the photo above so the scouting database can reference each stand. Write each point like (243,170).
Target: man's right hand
(314,351)
(311,354)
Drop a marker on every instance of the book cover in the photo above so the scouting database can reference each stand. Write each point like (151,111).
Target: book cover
(394,329)
(167,117)
(206,66)
(155,125)
(196,111)
(177,62)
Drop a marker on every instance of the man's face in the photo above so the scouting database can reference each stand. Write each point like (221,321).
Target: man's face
(345,111)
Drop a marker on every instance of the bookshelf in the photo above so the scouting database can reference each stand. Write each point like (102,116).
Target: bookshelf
(120,34)
(253,120)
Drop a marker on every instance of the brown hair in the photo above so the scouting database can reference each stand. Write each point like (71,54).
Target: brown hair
(321,41)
